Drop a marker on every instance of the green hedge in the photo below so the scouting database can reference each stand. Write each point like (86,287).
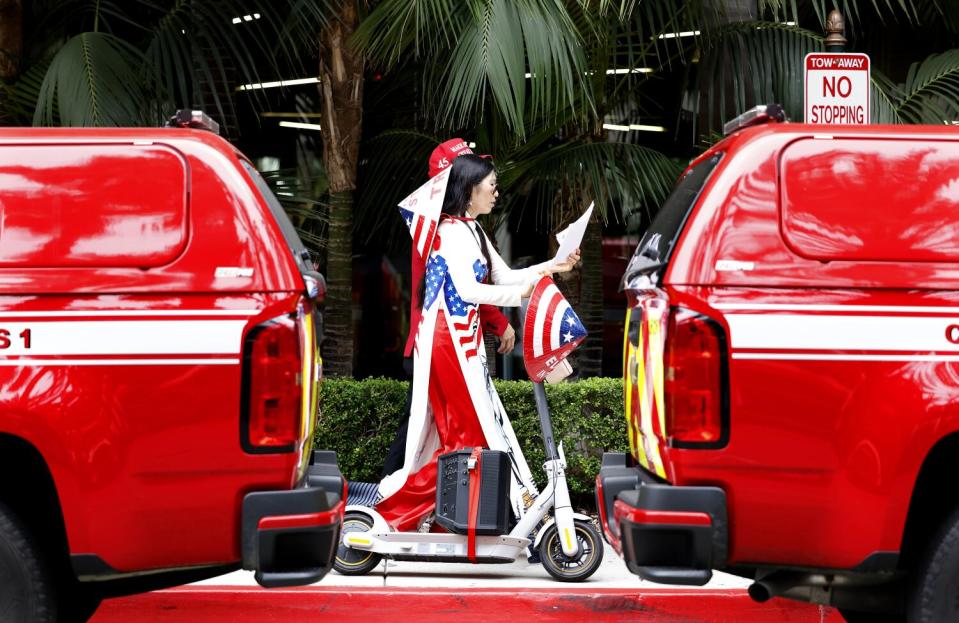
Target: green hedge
(359,420)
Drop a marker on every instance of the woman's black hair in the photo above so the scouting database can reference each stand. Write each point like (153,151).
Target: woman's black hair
(467,171)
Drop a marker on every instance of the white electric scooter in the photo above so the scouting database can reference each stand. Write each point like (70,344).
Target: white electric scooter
(570,548)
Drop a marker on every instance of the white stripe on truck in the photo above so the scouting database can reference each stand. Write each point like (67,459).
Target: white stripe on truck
(118,362)
(832,332)
(119,313)
(120,337)
(843,357)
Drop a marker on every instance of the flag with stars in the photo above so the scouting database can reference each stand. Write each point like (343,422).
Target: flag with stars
(464,315)
(421,211)
(551,331)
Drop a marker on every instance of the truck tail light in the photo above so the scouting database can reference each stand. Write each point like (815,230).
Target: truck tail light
(273,385)
(695,381)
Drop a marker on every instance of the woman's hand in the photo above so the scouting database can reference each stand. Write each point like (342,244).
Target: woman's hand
(566,265)
(507,341)
(532,284)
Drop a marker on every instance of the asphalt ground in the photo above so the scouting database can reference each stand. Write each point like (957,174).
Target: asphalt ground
(461,593)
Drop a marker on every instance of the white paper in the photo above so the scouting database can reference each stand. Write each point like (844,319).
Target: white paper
(570,238)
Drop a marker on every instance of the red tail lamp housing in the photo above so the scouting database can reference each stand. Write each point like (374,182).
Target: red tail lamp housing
(696,381)
(273,387)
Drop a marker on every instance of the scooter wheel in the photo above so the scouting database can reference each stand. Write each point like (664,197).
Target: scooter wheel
(578,568)
(351,561)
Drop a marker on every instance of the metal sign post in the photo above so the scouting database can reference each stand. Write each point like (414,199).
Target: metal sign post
(837,83)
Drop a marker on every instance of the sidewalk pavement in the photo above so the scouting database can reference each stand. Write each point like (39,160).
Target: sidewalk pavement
(413,592)
(519,574)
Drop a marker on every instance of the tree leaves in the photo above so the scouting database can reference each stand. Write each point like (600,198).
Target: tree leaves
(296,194)
(95,79)
(173,54)
(479,53)
(20,101)
(621,178)
(750,63)
(930,93)
(398,163)
(401,29)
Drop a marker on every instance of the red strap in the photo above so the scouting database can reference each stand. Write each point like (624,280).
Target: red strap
(416,271)
(474,505)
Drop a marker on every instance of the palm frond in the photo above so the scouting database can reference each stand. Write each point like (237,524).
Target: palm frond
(779,10)
(479,54)
(395,166)
(621,8)
(304,19)
(621,178)
(930,93)
(95,79)
(883,97)
(488,60)
(20,98)
(198,50)
(945,12)
(858,12)
(193,53)
(397,29)
(749,63)
(308,211)
(53,18)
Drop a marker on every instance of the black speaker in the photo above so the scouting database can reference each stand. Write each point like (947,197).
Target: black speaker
(453,492)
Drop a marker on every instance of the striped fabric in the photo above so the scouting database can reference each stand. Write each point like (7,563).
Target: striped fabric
(551,330)
(421,211)
(362,494)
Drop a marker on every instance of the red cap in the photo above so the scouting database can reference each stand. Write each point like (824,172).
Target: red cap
(443,155)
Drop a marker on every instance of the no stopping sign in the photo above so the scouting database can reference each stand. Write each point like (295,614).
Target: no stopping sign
(837,89)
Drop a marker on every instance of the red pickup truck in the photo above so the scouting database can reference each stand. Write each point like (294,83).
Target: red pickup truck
(159,372)
(792,372)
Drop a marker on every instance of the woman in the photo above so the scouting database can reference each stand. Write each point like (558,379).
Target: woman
(454,402)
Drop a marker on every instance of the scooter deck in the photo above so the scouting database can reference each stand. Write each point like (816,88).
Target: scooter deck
(485,560)
(437,547)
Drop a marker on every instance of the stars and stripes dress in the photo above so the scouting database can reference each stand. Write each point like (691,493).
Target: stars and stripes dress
(454,403)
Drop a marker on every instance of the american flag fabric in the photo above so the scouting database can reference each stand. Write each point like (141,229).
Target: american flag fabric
(551,331)
(464,316)
(362,493)
(421,211)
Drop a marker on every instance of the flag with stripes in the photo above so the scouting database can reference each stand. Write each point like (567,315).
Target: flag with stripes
(551,331)
(464,315)
(421,211)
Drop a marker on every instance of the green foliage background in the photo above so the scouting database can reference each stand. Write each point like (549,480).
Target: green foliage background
(359,420)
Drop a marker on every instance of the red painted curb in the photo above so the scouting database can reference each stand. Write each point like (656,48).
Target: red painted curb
(244,604)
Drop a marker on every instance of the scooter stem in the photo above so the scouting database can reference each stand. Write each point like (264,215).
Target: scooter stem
(545,422)
(562,509)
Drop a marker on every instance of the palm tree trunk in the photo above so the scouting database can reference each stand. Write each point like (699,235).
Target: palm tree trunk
(341,87)
(583,286)
(11,37)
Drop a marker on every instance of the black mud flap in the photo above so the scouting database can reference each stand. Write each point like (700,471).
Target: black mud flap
(673,535)
(289,538)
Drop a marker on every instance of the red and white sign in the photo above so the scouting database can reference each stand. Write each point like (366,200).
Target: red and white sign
(837,89)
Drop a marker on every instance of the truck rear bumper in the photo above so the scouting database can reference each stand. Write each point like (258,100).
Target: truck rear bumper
(668,534)
(289,538)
